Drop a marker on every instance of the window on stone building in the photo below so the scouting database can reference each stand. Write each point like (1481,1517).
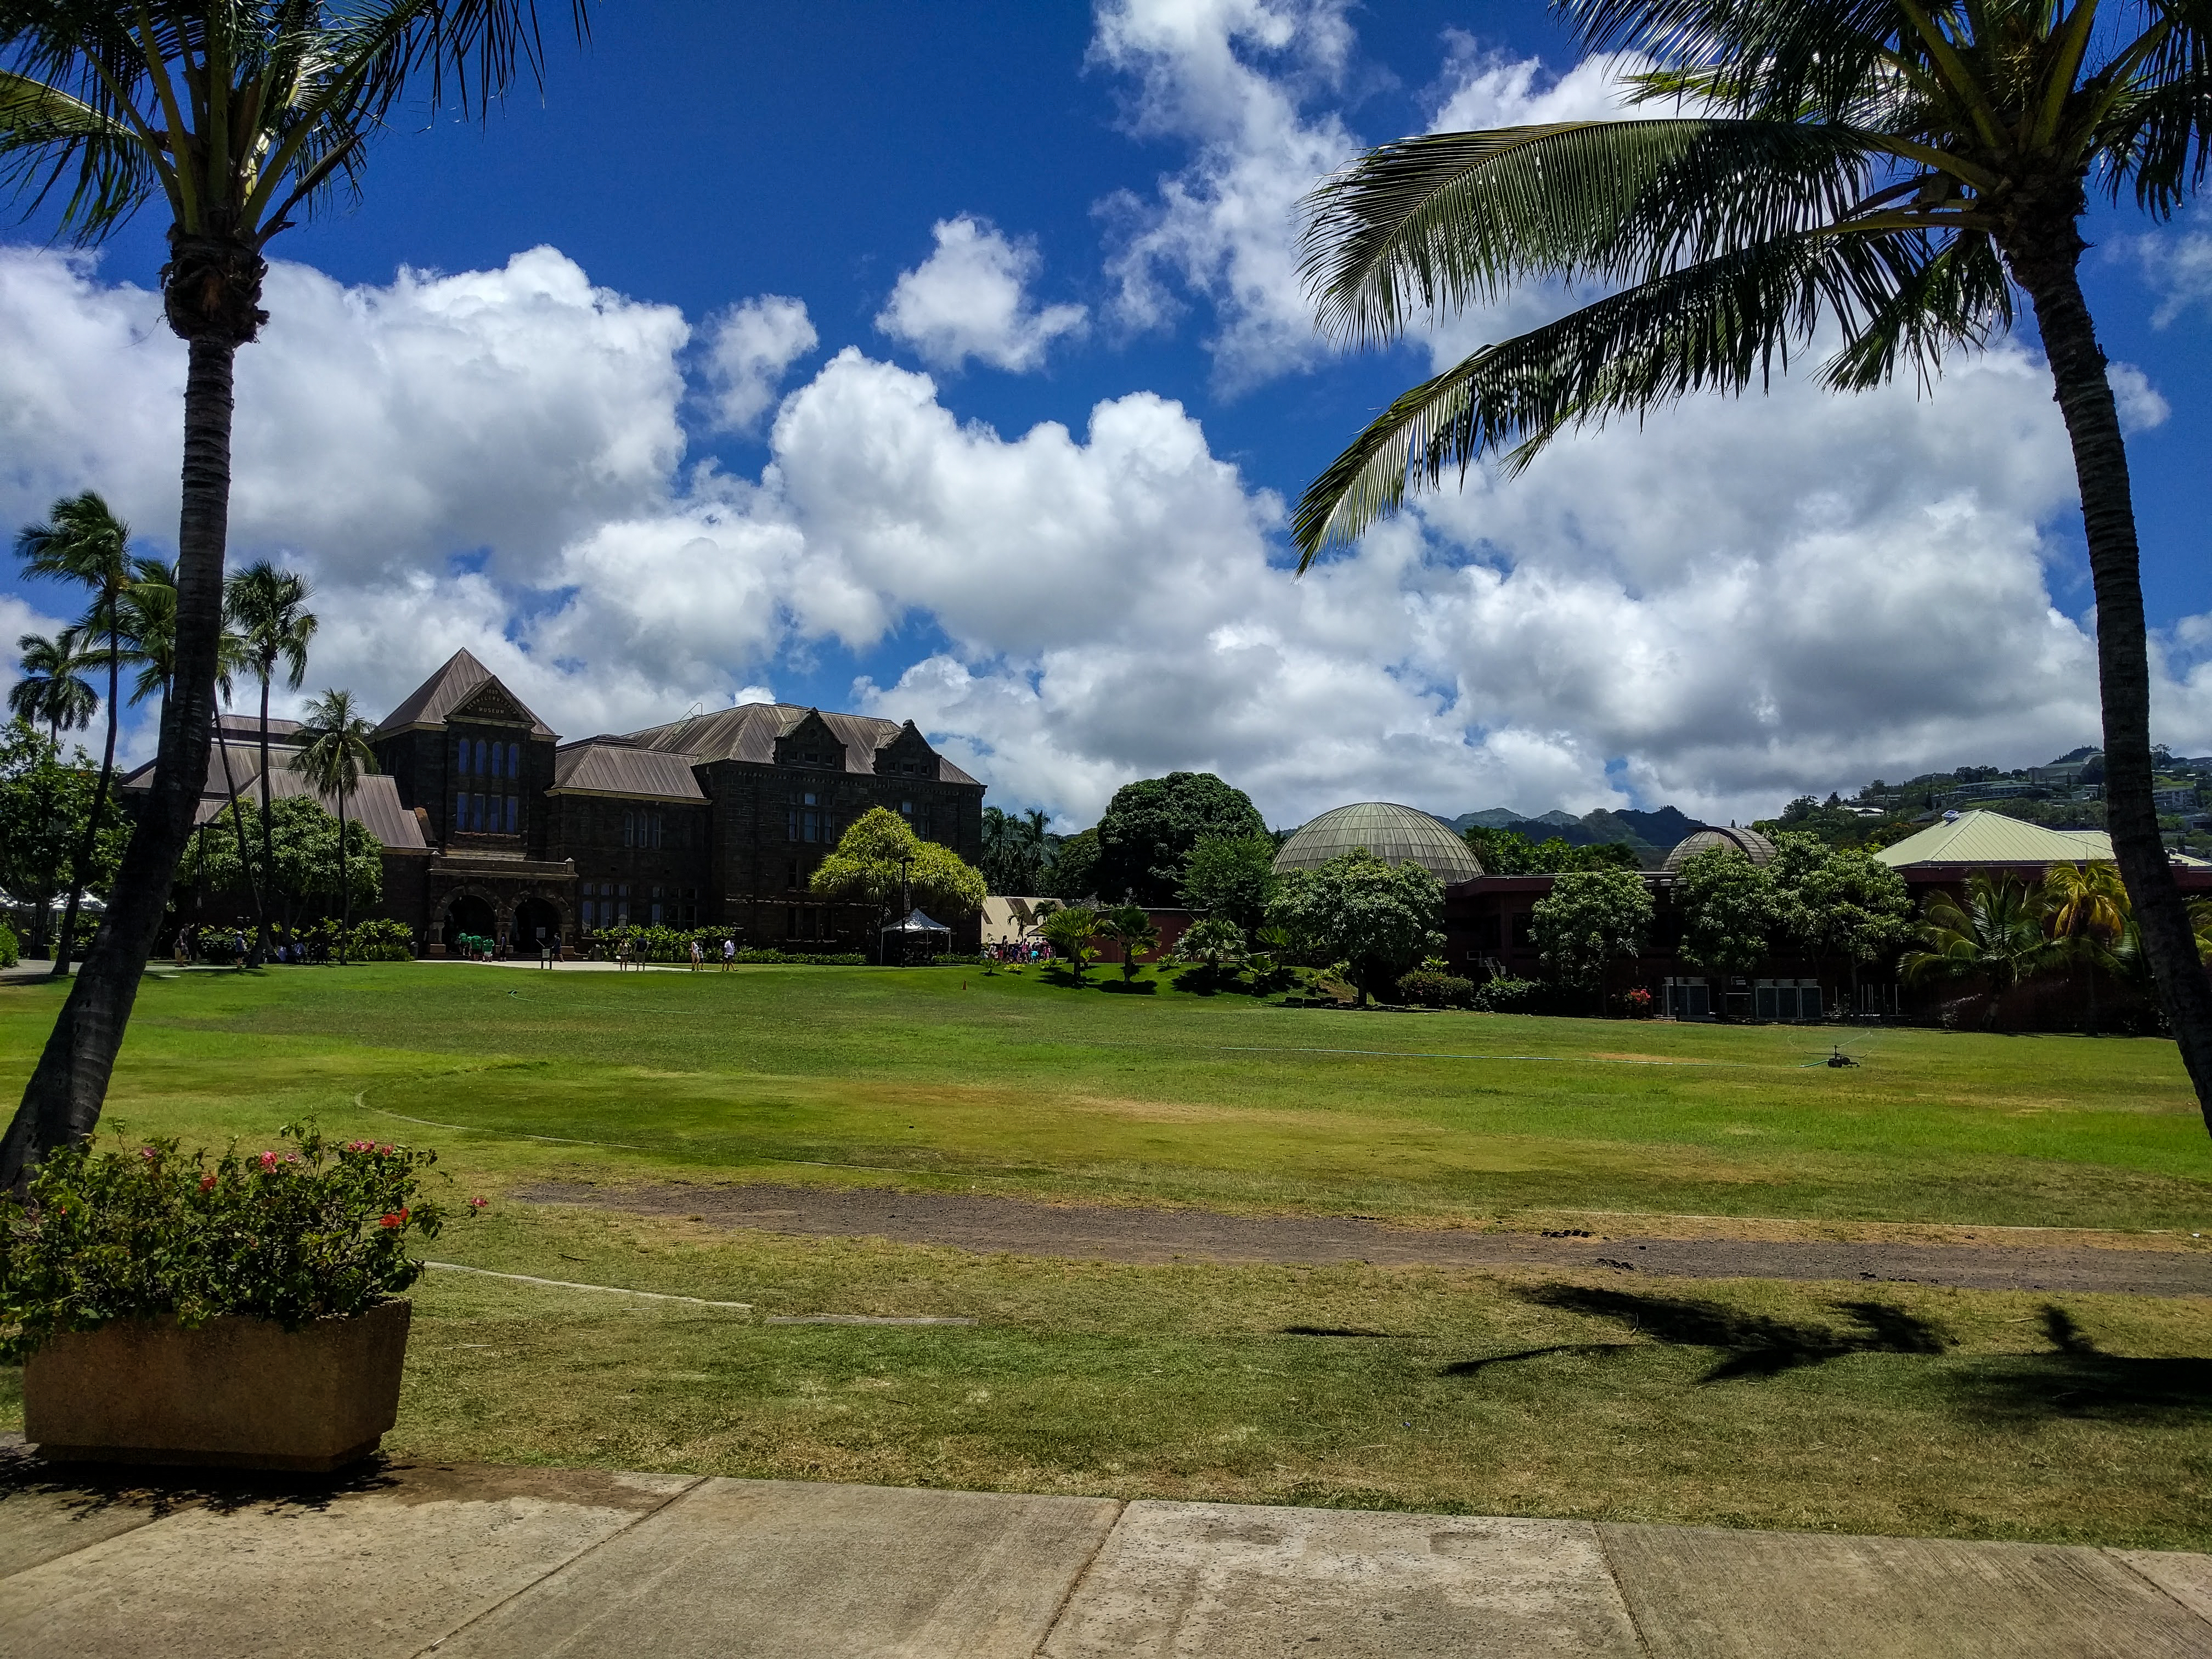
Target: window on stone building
(791,877)
(511,805)
(803,818)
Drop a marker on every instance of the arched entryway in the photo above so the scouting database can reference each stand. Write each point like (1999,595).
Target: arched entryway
(537,924)
(471,915)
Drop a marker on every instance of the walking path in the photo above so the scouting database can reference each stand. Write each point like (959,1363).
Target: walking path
(472,1563)
(986,1223)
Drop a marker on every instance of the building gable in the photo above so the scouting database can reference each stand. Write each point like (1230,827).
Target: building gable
(908,755)
(492,704)
(809,742)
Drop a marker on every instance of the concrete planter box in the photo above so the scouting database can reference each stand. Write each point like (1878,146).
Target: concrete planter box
(236,1393)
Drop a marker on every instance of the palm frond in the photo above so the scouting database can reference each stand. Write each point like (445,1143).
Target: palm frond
(1774,59)
(1716,326)
(48,135)
(1452,219)
(1959,295)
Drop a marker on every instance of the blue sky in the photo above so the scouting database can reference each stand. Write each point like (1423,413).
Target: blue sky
(955,373)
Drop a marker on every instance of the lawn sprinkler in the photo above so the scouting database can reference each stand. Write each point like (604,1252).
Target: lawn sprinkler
(1836,1061)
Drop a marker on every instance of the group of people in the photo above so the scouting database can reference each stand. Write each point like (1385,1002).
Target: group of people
(625,958)
(1017,951)
(229,947)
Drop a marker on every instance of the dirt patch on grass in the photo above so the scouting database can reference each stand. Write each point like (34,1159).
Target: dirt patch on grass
(988,1224)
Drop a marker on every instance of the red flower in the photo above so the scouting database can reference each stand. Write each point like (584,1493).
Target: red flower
(398,1219)
(478,1203)
(207,1183)
(268,1160)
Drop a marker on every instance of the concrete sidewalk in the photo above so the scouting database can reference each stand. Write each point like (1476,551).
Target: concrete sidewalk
(515,1563)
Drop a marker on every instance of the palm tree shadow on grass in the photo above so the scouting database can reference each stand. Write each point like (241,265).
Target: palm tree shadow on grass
(1751,1344)
(2078,1379)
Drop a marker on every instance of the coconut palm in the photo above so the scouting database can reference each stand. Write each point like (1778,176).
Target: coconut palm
(240,120)
(2087,905)
(52,690)
(82,541)
(334,753)
(1994,936)
(268,608)
(1889,171)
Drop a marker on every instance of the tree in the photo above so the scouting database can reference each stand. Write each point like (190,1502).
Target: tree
(45,805)
(84,542)
(1151,825)
(1211,942)
(1880,171)
(2087,907)
(1378,919)
(52,690)
(269,609)
(1130,927)
(1996,936)
(1588,920)
(1509,852)
(334,754)
(300,871)
(242,120)
(1015,851)
(1073,873)
(882,864)
(1846,902)
(1232,878)
(1729,912)
(1069,930)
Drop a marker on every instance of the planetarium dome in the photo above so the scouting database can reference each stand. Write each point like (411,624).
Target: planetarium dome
(1749,842)
(1394,834)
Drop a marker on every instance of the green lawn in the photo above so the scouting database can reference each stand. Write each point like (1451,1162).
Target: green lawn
(1883,1408)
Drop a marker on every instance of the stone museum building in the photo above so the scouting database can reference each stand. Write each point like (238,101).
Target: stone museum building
(494,828)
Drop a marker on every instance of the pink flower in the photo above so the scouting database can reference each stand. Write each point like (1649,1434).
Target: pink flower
(148,1152)
(268,1160)
(478,1203)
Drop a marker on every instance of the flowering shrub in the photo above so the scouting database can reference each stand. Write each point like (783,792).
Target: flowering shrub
(312,1229)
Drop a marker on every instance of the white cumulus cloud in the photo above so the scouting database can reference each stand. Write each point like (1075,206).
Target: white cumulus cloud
(969,299)
(751,347)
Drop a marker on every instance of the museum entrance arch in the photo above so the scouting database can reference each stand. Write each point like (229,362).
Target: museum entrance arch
(471,915)
(537,924)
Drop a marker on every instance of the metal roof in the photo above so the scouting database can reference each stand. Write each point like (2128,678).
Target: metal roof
(1987,838)
(749,732)
(611,766)
(430,702)
(1749,842)
(1394,834)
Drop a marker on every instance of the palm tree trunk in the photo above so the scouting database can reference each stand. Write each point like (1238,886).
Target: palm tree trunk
(81,867)
(268,831)
(237,820)
(62,1102)
(2047,271)
(345,885)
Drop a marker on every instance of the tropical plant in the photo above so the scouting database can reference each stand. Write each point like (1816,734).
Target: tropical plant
(1211,941)
(84,542)
(149,635)
(52,690)
(1841,902)
(1015,851)
(315,1230)
(1588,920)
(269,609)
(1994,936)
(1730,913)
(2085,906)
(1232,877)
(1432,987)
(333,755)
(240,120)
(881,863)
(1376,918)
(1130,927)
(1884,171)
(303,873)
(1151,826)
(1069,930)
(45,805)
(1073,875)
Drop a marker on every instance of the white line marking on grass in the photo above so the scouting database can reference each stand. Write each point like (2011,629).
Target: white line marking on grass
(863,1319)
(569,1284)
(1427,1054)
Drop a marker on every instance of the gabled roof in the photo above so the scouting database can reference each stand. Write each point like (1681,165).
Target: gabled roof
(615,765)
(376,803)
(431,702)
(749,732)
(1982,838)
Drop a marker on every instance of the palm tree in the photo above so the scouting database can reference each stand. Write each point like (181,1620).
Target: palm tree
(82,541)
(333,757)
(2088,912)
(269,609)
(1996,936)
(241,119)
(1889,169)
(53,690)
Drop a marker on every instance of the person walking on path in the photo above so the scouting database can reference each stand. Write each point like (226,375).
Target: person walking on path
(697,959)
(729,953)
